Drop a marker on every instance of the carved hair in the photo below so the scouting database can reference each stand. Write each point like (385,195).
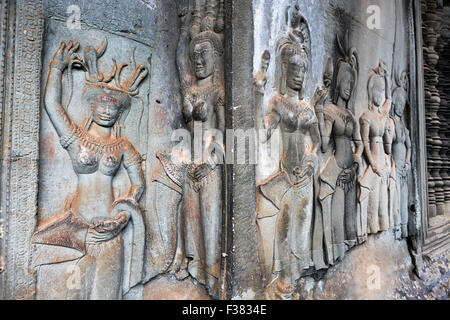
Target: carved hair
(207,26)
(349,63)
(378,73)
(401,90)
(294,47)
(94,76)
(125,88)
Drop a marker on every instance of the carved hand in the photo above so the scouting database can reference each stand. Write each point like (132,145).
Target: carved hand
(319,98)
(202,171)
(406,166)
(106,229)
(66,54)
(201,109)
(260,80)
(308,171)
(379,171)
(183,17)
(187,111)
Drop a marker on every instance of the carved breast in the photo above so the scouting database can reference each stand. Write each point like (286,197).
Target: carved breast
(295,115)
(202,99)
(89,161)
(343,120)
(90,154)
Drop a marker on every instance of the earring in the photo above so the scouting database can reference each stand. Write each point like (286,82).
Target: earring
(87,124)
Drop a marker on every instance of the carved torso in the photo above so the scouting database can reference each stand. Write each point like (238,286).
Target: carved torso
(343,132)
(96,162)
(212,95)
(399,143)
(296,118)
(377,125)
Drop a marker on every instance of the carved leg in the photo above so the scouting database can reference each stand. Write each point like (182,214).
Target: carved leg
(404,210)
(211,213)
(86,269)
(168,210)
(193,235)
(338,222)
(383,205)
(108,269)
(350,216)
(373,206)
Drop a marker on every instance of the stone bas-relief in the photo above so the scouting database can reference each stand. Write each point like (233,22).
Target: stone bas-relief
(192,183)
(140,226)
(361,187)
(400,159)
(373,198)
(291,189)
(338,178)
(89,230)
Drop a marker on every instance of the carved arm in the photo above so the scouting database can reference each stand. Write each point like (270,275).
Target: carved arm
(132,163)
(182,50)
(388,136)
(365,129)
(408,148)
(271,123)
(53,88)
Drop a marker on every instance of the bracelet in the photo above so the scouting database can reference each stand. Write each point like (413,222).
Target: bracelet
(58,65)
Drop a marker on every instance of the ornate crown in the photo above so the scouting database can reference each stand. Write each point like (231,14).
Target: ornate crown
(94,76)
(297,40)
(349,61)
(207,26)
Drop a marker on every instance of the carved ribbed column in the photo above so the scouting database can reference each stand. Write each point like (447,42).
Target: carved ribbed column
(444,91)
(432,102)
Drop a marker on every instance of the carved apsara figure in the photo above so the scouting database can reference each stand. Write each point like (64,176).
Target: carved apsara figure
(401,157)
(291,189)
(340,132)
(90,229)
(373,199)
(196,209)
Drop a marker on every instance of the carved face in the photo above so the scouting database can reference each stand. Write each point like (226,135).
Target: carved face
(296,72)
(399,102)
(203,59)
(106,105)
(378,91)
(346,84)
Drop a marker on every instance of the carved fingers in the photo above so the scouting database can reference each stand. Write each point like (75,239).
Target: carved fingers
(183,17)
(319,98)
(114,225)
(66,54)
(202,171)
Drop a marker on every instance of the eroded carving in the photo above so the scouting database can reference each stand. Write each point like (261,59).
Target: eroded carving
(401,158)
(340,136)
(373,199)
(193,184)
(291,189)
(89,230)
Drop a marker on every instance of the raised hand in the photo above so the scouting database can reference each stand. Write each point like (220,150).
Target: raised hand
(319,98)
(66,54)
(260,78)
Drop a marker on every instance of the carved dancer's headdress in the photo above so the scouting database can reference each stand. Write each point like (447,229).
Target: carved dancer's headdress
(207,26)
(348,63)
(296,42)
(94,77)
(402,81)
(379,71)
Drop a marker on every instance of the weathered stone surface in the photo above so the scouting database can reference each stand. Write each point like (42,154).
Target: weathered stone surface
(280,229)
(167,287)
(381,258)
